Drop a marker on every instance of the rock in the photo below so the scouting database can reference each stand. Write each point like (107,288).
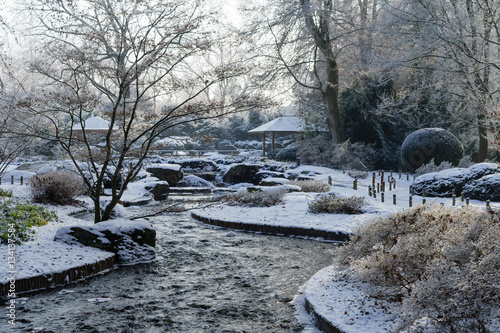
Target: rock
(198,165)
(274,182)
(261,175)
(421,146)
(485,188)
(169,172)
(159,190)
(441,184)
(131,241)
(241,173)
(194,181)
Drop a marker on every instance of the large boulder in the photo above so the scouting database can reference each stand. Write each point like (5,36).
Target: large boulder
(195,181)
(171,173)
(421,146)
(242,173)
(442,183)
(198,165)
(131,241)
(159,189)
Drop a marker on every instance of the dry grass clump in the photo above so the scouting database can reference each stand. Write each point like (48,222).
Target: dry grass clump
(334,204)
(256,198)
(59,187)
(312,186)
(441,263)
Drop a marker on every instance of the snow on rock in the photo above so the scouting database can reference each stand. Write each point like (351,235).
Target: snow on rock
(132,241)
(274,181)
(485,188)
(169,172)
(441,184)
(195,181)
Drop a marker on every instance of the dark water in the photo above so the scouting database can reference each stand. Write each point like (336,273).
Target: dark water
(204,280)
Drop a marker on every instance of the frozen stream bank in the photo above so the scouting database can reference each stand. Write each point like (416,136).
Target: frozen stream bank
(205,280)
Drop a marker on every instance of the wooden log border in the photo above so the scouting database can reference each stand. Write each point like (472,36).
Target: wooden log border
(48,280)
(275,230)
(321,323)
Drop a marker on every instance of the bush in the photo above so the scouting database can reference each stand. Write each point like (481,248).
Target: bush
(256,198)
(442,263)
(312,186)
(432,167)
(334,204)
(288,154)
(5,193)
(58,187)
(18,218)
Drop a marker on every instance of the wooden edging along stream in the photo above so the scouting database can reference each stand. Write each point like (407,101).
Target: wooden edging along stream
(48,280)
(275,230)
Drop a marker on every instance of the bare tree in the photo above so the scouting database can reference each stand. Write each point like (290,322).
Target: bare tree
(461,40)
(123,61)
(312,39)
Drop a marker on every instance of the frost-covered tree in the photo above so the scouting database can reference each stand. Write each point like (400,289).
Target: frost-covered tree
(319,44)
(124,61)
(460,40)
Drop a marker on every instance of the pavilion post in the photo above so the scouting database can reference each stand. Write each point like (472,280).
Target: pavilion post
(263,144)
(272,141)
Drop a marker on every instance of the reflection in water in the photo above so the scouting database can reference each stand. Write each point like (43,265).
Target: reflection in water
(204,280)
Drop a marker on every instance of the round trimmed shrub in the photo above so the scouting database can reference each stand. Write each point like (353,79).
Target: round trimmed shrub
(421,146)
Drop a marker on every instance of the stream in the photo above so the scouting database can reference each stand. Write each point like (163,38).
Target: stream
(205,279)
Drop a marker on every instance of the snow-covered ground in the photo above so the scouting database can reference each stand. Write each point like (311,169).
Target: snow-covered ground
(334,298)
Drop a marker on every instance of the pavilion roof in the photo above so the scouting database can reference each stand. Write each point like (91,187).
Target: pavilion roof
(283,124)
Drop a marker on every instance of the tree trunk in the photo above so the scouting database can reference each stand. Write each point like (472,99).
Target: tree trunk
(331,97)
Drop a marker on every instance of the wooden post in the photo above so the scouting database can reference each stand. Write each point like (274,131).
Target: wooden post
(373,179)
(382,177)
(263,144)
(21,180)
(410,201)
(12,179)
(390,186)
(462,196)
(330,180)
(394,199)
(369,191)
(453,199)
(467,201)
(383,187)
(394,185)
(355,184)
(382,196)
(487,204)
(407,177)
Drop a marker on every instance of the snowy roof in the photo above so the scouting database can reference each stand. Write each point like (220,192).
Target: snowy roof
(93,124)
(286,123)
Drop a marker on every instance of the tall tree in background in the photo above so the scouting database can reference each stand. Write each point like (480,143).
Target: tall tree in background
(314,39)
(125,61)
(461,40)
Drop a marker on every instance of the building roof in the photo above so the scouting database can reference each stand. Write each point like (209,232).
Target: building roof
(93,124)
(283,124)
